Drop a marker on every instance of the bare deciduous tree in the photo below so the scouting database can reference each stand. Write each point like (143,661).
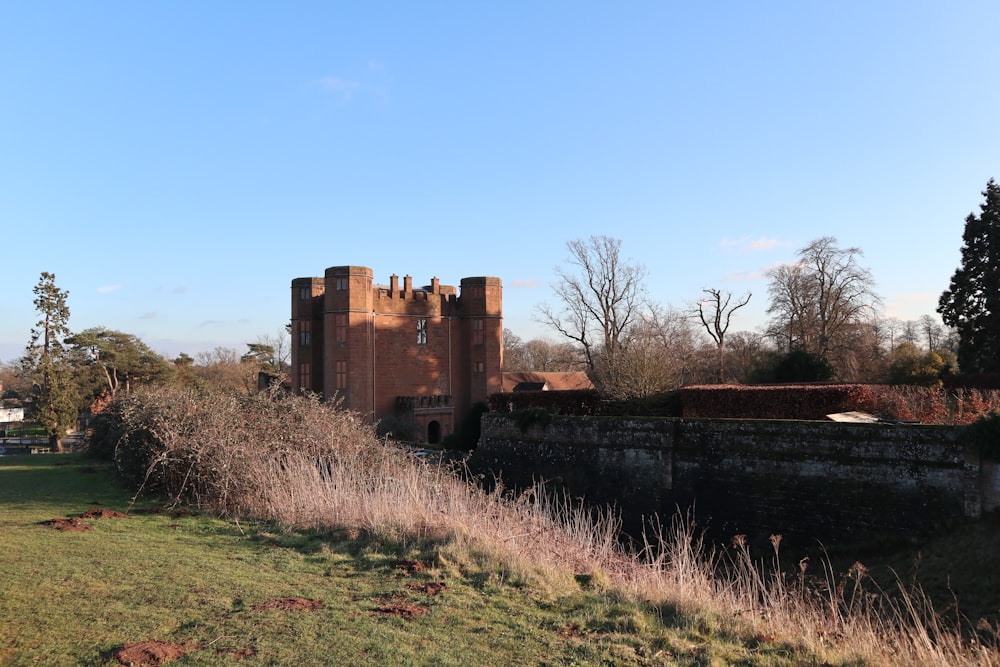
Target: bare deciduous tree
(600,293)
(658,353)
(223,369)
(538,354)
(821,303)
(715,314)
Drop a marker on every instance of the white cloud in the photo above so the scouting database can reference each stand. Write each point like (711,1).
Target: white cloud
(149,315)
(748,244)
(523,283)
(738,276)
(108,288)
(742,276)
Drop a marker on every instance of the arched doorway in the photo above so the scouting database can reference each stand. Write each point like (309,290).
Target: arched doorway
(434,433)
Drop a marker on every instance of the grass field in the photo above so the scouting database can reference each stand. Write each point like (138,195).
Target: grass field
(199,590)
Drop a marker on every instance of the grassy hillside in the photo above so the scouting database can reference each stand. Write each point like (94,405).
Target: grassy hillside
(317,543)
(204,591)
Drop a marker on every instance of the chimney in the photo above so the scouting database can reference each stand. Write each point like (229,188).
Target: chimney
(407,284)
(435,285)
(393,285)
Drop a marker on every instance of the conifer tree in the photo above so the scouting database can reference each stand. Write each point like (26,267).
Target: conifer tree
(971,305)
(53,386)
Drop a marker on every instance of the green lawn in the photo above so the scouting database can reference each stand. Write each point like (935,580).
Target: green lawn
(207,587)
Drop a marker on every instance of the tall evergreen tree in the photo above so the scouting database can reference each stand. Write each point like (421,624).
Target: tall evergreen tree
(972,303)
(53,386)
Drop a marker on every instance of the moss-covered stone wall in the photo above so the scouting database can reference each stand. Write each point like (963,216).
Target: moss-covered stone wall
(805,479)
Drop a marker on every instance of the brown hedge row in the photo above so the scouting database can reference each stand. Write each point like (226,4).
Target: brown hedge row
(796,401)
(791,401)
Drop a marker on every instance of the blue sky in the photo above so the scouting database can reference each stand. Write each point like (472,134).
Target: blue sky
(176,164)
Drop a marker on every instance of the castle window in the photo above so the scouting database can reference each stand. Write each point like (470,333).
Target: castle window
(479,367)
(305,379)
(421,332)
(304,333)
(341,375)
(477,332)
(341,284)
(340,327)
(304,293)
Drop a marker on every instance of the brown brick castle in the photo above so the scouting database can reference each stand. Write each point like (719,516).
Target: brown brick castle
(425,353)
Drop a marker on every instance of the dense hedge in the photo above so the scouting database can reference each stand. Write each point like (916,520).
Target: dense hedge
(788,401)
(793,401)
(569,402)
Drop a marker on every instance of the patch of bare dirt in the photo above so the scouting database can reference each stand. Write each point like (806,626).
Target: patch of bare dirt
(150,653)
(290,604)
(72,525)
(402,609)
(428,588)
(570,631)
(411,566)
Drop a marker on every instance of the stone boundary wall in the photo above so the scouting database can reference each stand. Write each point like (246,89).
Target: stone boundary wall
(808,479)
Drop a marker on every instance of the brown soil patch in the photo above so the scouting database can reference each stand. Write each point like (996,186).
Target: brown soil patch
(428,588)
(290,604)
(570,631)
(150,653)
(102,514)
(73,524)
(411,566)
(403,610)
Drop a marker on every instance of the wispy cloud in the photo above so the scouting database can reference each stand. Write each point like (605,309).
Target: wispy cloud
(523,283)
(106,289)
(148,315)
(750,244)
(742,276)
(180,289)
(221,323)
(343,89)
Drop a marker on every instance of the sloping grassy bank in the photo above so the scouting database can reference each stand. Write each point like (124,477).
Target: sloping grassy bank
(219,592)
(372,556)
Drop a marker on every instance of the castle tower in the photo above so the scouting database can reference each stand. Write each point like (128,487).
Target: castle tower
(347,327)
(482,323)
(307,334)
(422,354)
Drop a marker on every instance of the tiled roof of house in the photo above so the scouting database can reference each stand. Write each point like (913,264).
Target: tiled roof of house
(555,381)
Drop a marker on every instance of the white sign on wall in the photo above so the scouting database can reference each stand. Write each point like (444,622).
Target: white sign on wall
(11,415)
